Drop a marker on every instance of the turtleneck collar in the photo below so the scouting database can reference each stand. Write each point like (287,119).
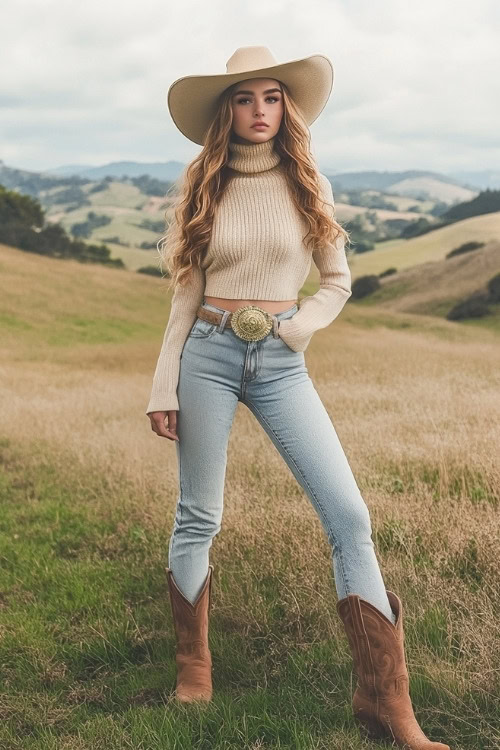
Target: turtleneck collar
(253,157)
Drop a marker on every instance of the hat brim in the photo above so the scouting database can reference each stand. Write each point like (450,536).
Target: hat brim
(192,100)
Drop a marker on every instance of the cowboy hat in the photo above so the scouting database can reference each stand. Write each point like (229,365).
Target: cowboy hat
(192,100)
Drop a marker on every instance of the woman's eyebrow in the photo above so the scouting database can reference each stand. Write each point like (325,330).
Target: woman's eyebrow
(267,91)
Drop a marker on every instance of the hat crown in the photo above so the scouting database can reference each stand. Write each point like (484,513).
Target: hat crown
(250,58)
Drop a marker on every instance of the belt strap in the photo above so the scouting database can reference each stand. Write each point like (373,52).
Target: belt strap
(213,317)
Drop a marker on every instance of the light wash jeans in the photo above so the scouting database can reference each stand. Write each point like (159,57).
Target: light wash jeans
(218,369)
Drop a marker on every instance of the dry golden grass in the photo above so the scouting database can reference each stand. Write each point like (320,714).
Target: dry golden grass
(417,412)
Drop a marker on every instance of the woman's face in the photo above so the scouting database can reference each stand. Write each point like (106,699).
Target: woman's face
(256,100)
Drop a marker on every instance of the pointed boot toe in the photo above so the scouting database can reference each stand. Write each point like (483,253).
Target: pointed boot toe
(381,702)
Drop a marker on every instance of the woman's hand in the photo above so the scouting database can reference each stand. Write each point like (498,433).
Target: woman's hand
(158,423)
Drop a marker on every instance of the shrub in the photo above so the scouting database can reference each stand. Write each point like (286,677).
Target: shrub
(365,285)
(22,226)
(363,246)
(98,187)
(475,306)
(85,228)
(387,272)
(151,270)
(414,228)
(494,288)
(465,248)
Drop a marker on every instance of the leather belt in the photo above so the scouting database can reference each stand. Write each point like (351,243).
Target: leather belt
(250,322)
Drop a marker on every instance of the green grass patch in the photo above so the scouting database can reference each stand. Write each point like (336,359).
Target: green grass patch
(394,538)
(457,482)
(467,566)
(386,292)
(14,323)
(490,322)
(73,329)
(389,320)
(432,629)
(87,646)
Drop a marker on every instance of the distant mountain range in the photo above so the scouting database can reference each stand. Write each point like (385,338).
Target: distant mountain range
(376,180)
(362,180)
(483,179)
(168,170)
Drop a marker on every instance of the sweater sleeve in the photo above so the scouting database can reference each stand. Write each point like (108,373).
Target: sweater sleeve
(320,309)
(185,303)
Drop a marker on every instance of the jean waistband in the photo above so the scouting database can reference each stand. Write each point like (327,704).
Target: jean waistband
(284,314)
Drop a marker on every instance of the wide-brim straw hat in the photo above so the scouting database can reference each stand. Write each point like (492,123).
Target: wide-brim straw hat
(192,100)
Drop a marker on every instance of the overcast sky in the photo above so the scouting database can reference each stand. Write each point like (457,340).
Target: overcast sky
(417,84)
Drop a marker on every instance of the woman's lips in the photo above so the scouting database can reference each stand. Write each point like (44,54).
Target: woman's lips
(259,127)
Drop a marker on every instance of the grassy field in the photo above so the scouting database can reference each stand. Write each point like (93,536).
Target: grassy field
(88,496)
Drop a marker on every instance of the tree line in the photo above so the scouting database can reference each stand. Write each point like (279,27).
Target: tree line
(22,225)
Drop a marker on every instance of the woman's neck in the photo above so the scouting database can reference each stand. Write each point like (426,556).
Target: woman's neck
(253,157)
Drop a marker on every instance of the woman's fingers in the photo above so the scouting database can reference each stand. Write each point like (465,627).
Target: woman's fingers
(172,423)
(158,424)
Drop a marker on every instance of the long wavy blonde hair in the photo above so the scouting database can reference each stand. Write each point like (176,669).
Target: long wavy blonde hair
(198,190)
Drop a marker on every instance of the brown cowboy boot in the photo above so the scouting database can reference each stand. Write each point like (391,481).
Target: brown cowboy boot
(193,657)
(381,701)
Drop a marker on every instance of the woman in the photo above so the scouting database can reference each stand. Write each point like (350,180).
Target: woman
(253,213)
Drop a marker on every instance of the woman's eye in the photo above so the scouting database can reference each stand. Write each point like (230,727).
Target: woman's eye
(240,101)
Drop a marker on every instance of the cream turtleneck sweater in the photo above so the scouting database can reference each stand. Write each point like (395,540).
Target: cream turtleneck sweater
(255,252)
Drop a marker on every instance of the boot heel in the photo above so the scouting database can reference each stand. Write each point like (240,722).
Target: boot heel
(372,728)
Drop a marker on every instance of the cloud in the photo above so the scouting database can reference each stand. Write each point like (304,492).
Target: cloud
(416,84)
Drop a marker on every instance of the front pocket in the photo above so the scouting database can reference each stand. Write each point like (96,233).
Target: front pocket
(201,329)
(288,348)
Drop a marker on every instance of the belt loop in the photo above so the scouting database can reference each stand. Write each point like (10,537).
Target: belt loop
(275,327)
(225,316)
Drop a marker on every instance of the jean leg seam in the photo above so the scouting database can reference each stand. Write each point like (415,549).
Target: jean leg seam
(331,533)
(178,526)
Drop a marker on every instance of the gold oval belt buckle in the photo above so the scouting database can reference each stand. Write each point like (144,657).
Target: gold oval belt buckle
(251,322)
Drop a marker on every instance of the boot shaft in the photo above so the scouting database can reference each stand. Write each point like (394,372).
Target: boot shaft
(377,646)
(193,657)
(190,620)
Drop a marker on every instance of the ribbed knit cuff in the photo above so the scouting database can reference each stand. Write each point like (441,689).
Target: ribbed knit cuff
(292,335)
(163,402)
(315,312)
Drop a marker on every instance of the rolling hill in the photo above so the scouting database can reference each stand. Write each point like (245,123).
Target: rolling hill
(433,288)
(432,246)
(128,208)
(67,305)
